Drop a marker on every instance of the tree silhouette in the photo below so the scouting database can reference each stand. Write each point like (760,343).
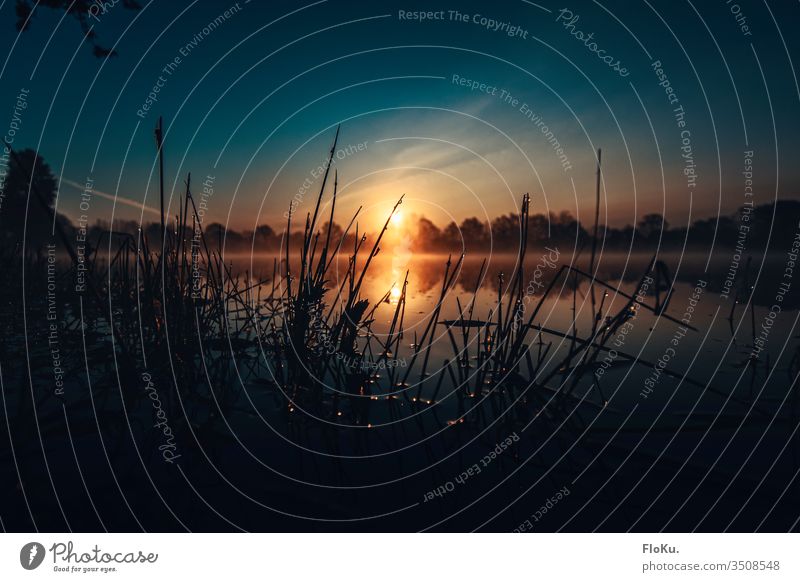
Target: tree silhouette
(23,217)
(505,230)
(428,235)
(651,225)
(475,232)
(84,11)
(538,229)
(262,238)
(221,238)
(451,236)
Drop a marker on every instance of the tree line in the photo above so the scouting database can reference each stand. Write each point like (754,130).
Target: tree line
(472,234)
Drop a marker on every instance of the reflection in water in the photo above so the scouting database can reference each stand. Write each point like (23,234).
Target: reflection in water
(426,271)
(727,332)
(443,409)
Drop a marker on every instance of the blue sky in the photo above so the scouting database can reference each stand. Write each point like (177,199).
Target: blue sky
(255,102)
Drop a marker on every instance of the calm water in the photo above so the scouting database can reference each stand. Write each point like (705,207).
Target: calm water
(269,466)
(718,384)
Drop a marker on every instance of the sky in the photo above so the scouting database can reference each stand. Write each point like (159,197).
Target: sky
(462,112)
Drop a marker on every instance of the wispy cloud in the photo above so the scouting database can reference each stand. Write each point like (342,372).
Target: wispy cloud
(117,199)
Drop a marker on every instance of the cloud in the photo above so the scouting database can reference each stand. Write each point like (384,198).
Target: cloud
(116,199)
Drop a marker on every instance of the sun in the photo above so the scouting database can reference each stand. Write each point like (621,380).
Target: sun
(397,218)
